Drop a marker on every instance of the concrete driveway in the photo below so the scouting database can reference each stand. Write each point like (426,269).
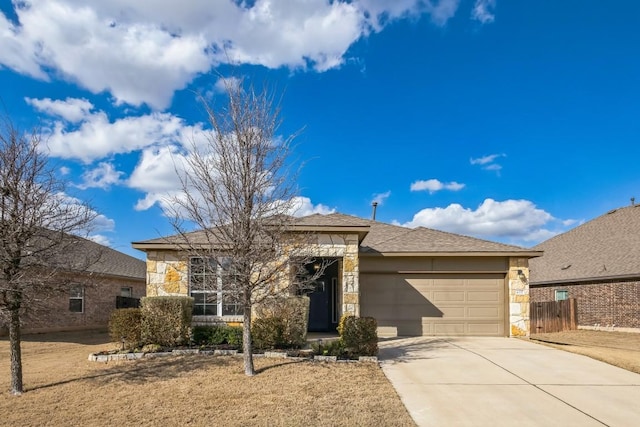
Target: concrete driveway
(507,382)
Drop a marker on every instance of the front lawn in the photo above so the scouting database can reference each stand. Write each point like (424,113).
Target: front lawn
(620,349)
(64,388)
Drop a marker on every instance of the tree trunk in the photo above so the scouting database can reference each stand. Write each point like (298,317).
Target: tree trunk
(15,353)
(247,345)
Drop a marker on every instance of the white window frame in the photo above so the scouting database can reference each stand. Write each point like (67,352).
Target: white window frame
(561,292)
(216,269)
(128,290)
(76,293)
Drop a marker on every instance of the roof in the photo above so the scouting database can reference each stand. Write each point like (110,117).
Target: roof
(606,247)
(87,256)
(380,238)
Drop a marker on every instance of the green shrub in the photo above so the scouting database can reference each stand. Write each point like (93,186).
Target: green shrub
(125,326)
(359,335)
(166,320)
(234,336)
(217,335)
(328,348)
(290,328)
(209,334)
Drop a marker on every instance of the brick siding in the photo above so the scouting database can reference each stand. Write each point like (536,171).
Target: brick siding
(606,304)
(99,302)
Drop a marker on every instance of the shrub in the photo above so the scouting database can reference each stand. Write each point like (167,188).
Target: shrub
(209,335)
(217,335)
(290,328)
(359,335)
(268,333)
(328,348)
(166,320)
(125,326)
(234,336)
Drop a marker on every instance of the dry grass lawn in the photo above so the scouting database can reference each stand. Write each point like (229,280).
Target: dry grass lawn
(616,348)
(64,388)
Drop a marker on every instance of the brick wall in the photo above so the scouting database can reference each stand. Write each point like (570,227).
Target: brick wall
(99,302)
(611,303)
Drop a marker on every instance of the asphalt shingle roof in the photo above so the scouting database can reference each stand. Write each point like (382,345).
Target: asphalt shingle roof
(605,247)
(388,238)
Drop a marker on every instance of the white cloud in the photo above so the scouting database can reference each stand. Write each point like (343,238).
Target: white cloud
(433,185)
(143,51)
(223,84)
(88,136)
(483,11)
(103,176)
(72,110)
(302,206)
(100,239)
(65,171)
(380,198)
(517,220)
(488,162)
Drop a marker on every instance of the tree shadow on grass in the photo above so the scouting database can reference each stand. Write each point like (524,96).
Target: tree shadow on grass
(147,370)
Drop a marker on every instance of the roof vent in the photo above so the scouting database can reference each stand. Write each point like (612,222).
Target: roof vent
(374,205)
(633,201)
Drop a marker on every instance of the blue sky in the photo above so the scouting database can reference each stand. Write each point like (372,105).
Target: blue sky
(506,120)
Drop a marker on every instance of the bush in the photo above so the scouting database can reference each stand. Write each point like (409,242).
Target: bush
(234,336)
(359,335)
(166,321)
(217,335)
(328,348)
(268,333)
(289,330)
(125,325)
(209,335)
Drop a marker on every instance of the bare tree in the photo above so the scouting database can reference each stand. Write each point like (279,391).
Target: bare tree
(238,191)
(39,224)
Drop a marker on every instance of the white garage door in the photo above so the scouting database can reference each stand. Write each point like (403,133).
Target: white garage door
(435,304)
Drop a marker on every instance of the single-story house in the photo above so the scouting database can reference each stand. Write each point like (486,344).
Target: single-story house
(413,281)
(598,264)
(91,292)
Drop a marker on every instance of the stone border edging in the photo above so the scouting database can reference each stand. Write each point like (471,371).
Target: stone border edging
(268,354)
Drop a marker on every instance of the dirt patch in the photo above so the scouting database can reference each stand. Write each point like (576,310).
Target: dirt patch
(621,349)
(64,388)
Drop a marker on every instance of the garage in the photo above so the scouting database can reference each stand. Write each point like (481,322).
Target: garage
(435,303)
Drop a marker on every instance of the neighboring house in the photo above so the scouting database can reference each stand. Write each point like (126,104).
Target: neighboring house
(92,292)
(598,264)
(413,281)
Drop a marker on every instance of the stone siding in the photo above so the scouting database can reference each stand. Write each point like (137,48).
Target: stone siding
(603,304)
(518,277)
(167,273)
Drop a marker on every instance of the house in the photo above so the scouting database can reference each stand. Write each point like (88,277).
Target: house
(92,290)
(598,264)
(413,281)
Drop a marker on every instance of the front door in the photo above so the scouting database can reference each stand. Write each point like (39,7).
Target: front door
(324,299)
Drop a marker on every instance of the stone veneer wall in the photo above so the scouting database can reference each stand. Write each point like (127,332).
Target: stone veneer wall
(168,271)
(518,297)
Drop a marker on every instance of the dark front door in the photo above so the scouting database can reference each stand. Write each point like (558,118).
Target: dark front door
(323,304)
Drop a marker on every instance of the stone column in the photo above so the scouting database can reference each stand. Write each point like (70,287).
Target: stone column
(518,277)
(350,277)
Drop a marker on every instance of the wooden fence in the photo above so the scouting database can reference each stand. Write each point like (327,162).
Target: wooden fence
(554,316)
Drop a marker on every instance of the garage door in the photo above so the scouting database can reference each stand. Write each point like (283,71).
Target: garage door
(435,304)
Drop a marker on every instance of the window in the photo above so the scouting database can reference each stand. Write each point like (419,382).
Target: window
(212,286)
(76,299)
(562,294)
(126,292)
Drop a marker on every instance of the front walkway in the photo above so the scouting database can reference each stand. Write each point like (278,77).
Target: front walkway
(507,382)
